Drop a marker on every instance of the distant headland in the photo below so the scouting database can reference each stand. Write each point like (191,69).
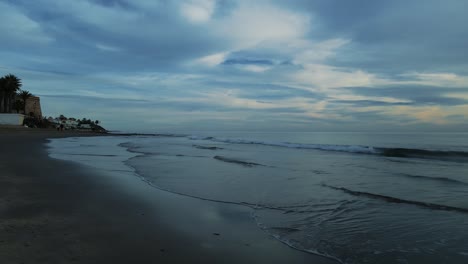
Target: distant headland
(19,107)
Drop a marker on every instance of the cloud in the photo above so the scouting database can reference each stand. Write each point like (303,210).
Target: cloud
(17,28)
(398,36)
(430,114)
(416,94)
(367,103)
(309,52)
(437,79)
(253,23)
(330,65)
(324,76)
(198,11)
(212,60)
(246,61)
(107,48)
(80,26)
(255,68)
(113,18)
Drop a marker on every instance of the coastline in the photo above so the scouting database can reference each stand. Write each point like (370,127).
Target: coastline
(54,211)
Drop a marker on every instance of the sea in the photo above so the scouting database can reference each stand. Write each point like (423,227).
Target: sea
(352,197)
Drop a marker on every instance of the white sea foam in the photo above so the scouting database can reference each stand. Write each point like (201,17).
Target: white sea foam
(98,152)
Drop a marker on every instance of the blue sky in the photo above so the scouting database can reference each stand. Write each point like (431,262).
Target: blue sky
(304,65)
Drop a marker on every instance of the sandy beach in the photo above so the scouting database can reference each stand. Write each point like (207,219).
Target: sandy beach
(54,211)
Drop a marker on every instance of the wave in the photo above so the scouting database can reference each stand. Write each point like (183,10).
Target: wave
(240,162)
(280,234)
(91,155)
(423,153)
(207,147)
(284,230)
(135,148)
(200,138)
(459,156)
(297,208)
(148,134)
(341,148)
(440,179)
(255,206)
(391,199)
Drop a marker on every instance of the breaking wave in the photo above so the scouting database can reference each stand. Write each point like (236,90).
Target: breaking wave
(207,147)
(92,155)
(398,200)
(240,162)
(439,179)
(459,156)
(148,134)
(423,153)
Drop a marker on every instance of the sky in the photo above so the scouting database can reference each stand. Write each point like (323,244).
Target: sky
(263,65)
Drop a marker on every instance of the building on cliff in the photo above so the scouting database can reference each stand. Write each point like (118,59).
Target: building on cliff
(33,107)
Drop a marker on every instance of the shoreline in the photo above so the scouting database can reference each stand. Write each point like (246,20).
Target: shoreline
(54,211)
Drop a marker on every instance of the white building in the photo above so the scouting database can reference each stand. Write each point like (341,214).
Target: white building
(11,119)
(70,123)
(84,126)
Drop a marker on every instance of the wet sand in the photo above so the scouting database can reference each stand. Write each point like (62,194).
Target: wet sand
(53,211)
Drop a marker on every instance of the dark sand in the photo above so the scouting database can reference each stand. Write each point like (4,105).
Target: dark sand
(54,211)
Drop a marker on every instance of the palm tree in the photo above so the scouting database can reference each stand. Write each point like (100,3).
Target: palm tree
(10,84)
(24,95)
(18,105)
(2,94)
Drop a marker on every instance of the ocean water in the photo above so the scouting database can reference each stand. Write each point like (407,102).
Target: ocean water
(353,197)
